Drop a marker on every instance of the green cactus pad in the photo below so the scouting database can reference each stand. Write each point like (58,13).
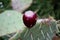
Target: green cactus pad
(41,31)
(10,22)
(20,5)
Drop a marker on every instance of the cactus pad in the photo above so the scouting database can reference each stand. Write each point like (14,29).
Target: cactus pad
(41,31)
(10,22)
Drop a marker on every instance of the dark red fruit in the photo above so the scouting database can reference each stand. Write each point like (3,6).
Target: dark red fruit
(29,19)
(56,38)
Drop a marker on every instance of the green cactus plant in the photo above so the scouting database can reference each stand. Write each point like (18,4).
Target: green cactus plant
(41,31)
(21,5)
(10,22)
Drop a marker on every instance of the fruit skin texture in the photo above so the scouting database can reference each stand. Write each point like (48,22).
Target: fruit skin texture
(29,19)
(56,38)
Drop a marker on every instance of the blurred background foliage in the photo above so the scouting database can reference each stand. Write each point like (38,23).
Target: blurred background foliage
(45,8)
(5,5)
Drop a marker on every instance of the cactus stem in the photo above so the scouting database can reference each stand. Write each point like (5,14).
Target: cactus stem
(42,34)
(51,29)
(57,28)
(26,33)
(38,38)
(47,39)
(48,36)
(40,25)
(31,37)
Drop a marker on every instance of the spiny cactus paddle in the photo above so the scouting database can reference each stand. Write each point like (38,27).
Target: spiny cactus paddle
(41,31)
